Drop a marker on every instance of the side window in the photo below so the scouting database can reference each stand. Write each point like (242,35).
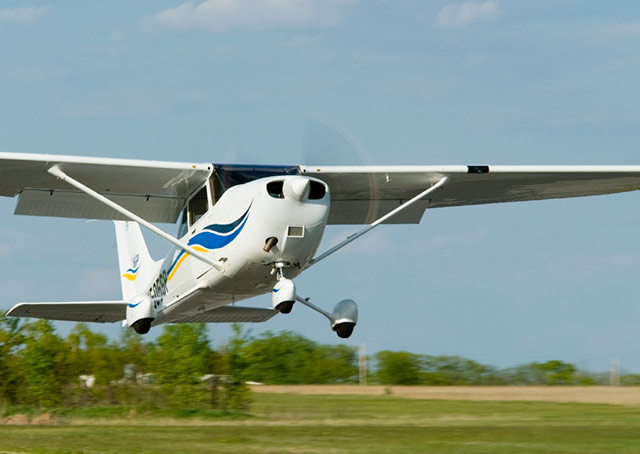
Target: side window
(182,230)
(198,206)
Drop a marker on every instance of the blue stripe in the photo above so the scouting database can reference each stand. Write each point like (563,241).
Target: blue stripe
(176,261)
(226,228)
(215,236)
(210,240)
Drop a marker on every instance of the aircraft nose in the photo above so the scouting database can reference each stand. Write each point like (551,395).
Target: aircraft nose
(296,188)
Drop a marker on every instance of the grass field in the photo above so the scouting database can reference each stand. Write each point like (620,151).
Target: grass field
(285,423)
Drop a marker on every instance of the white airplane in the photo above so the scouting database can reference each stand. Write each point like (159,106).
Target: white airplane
(247,230)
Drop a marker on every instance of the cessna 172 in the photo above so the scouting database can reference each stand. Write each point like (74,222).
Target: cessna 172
(248,230)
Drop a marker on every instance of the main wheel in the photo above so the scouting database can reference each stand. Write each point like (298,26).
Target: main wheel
(344,330)
(142,326)
(285,307)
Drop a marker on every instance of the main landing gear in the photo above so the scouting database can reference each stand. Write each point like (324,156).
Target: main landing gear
(343,318)
(142,326)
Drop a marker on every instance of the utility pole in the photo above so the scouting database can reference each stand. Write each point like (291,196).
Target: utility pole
(614,375)
(362,362)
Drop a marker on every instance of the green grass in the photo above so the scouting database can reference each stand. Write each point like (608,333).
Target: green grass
(335,424)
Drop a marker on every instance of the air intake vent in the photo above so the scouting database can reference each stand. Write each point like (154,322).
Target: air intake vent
(295,231)
(318,190)
(274,188)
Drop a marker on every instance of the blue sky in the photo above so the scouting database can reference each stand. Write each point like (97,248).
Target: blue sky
(404,82)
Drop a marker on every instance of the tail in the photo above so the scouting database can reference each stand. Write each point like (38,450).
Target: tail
(136,265)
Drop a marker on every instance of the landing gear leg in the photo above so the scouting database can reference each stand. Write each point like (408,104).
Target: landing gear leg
(343,318)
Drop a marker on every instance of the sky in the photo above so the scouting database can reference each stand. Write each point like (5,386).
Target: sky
(383,82)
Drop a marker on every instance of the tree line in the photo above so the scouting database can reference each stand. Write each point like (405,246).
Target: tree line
(404,368)
(41,368)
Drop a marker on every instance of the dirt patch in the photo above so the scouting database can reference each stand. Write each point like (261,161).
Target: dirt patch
(44,419)
(585,394)
(23,420)
(16,420)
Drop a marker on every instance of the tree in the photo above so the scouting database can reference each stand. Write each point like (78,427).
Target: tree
(289,358)
(91,354)
(333,364)
(181,354)
(557,372)
(398,368)
(237,395)
(549,373)
(11,339)
(455,370)
(278,358)
(133,352)
(45,361)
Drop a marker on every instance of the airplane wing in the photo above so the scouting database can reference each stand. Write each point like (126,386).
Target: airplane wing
(115,311)
(157,190)
(154,190)
(83,311)
(229,314)
(360,195)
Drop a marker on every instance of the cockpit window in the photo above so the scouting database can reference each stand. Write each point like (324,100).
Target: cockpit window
(232,175)
(198,206)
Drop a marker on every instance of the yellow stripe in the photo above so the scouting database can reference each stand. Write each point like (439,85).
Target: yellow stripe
(186,254)
(175,268)
(131,277)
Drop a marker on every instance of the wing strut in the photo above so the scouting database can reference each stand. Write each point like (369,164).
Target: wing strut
(377,222)
(57,172)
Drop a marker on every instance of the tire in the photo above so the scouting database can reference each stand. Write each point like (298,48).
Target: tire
(285,307)
(142,326)
(344,330)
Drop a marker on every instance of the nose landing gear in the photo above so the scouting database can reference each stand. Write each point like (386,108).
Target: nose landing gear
(283,294)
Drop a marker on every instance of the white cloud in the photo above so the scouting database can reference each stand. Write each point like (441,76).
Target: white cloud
(458,15)
(118,35)
(629,30)
(25,15)
(221,15)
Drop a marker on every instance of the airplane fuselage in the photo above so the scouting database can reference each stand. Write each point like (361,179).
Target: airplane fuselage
(234,231)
